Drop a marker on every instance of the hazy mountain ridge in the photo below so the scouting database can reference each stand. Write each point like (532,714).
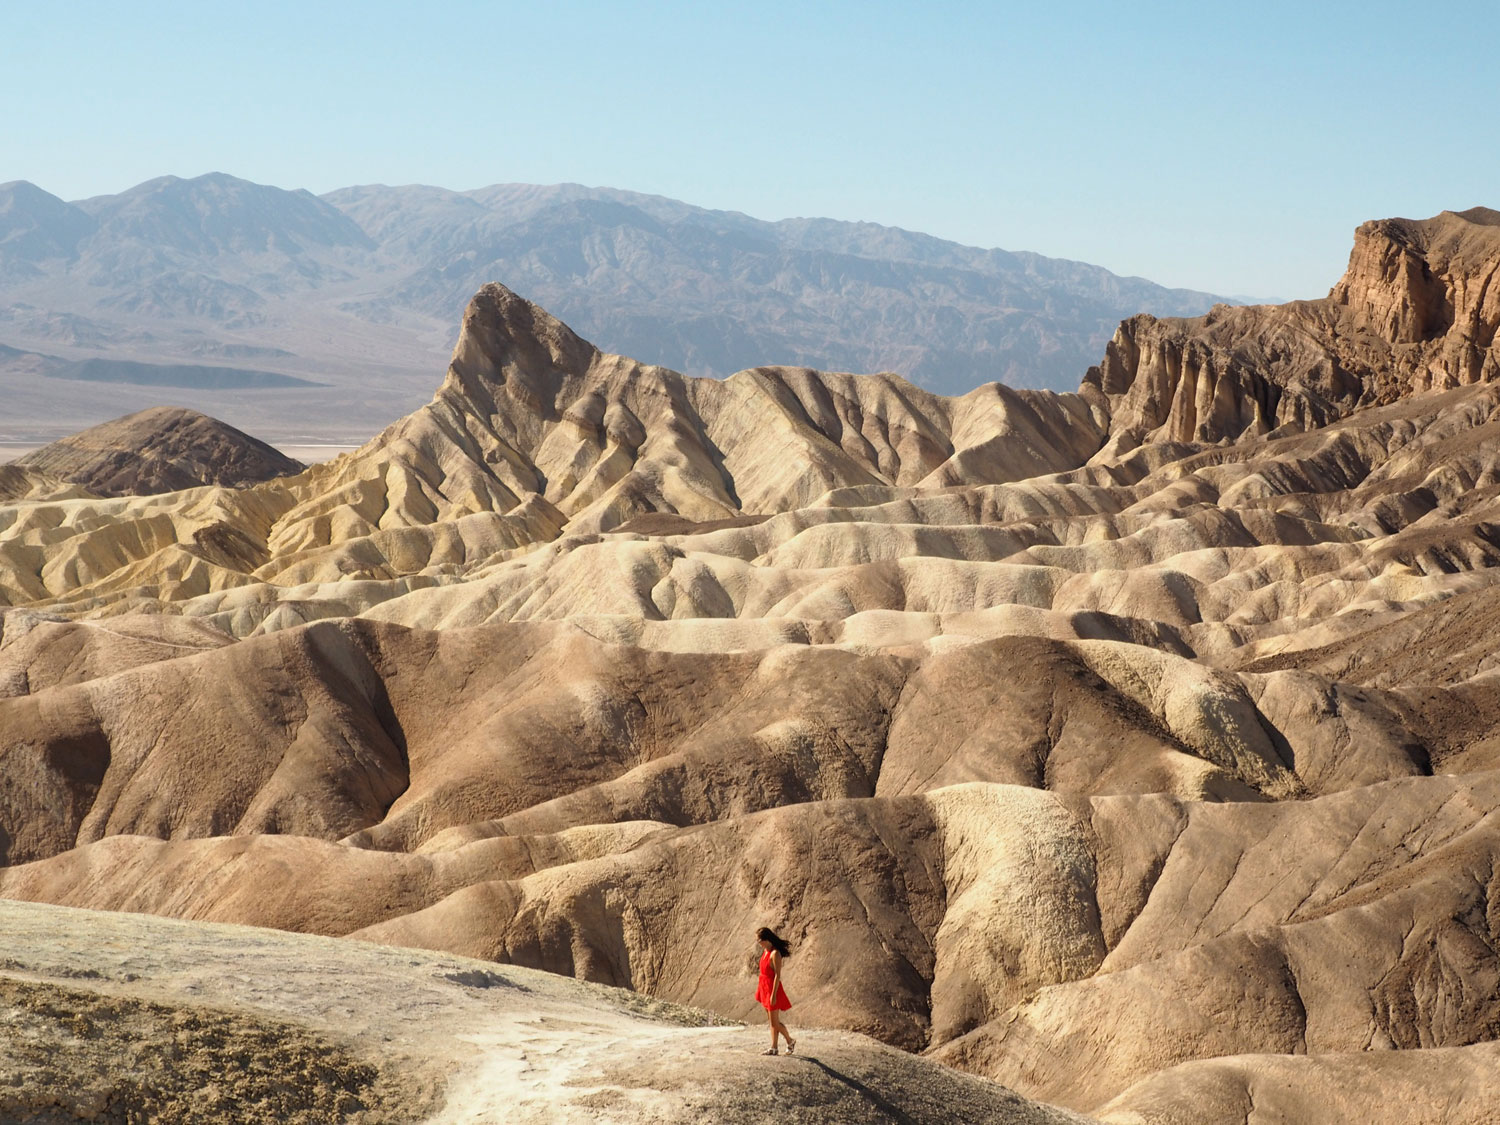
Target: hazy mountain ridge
(713,292)
(361,287)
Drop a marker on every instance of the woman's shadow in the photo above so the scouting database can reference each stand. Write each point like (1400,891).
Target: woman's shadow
(879,1101)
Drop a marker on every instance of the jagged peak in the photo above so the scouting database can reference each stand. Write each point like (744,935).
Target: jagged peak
(504,334)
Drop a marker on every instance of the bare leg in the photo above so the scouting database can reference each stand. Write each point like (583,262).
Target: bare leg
(777,1027)
(771,1014)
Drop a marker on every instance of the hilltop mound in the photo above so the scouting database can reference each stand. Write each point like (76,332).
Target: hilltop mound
(163,449)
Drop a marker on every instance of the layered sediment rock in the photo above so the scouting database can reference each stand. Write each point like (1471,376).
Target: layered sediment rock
(1416,310)
(18,482)
(1134,748)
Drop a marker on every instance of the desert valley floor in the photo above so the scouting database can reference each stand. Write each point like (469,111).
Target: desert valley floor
(1133,751)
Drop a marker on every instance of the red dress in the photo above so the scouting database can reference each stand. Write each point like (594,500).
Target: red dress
(767,982)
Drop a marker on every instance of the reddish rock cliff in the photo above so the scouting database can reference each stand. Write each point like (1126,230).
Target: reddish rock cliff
(1417,309)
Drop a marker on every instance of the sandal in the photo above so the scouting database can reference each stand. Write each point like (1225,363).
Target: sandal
(791,1045)
(771,1051)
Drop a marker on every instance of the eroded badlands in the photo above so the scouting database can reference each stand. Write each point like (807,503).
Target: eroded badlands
(1133,748)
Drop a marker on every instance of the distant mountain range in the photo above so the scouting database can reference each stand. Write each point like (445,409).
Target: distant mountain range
(358,290)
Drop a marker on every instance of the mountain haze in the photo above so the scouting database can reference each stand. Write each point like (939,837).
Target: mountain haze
(711,292)
(359,290)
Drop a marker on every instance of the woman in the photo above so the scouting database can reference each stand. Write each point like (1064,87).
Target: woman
(769,993)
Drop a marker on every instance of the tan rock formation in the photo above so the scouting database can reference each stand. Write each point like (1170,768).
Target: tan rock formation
(17,482)
(1446,1084)
(1134,748)
(1417,310)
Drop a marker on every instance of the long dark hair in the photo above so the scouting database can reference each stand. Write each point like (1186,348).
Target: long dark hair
(778,944)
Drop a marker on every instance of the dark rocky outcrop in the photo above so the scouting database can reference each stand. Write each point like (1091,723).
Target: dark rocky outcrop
(163,449)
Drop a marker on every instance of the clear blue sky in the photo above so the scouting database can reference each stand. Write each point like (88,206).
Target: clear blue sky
(1229,147)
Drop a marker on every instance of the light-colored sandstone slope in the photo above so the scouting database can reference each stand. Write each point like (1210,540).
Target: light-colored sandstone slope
(1067,947)
(1453,1085)
(18,482)
(529,408)
(535,432)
